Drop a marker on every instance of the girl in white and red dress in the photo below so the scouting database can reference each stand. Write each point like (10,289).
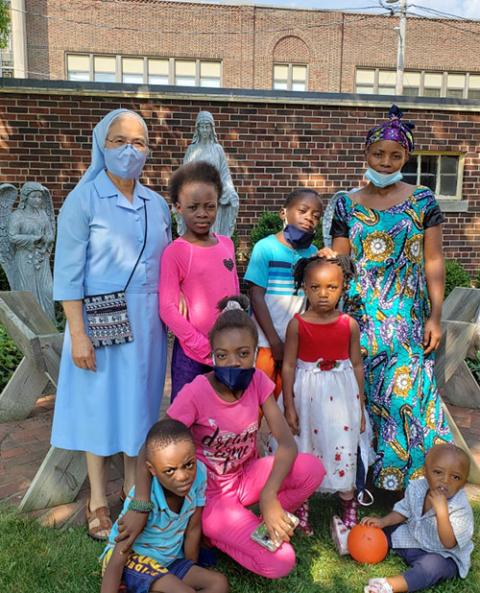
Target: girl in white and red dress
(323,380)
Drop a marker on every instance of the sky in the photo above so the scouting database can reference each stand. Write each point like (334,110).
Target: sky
(469,9)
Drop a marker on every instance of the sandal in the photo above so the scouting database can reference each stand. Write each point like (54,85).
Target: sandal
(303,514)
(99,523)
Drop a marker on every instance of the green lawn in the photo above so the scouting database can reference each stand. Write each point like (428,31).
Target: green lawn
(34,559)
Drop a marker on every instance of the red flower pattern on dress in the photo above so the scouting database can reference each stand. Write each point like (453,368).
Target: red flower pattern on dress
(338,457)
(326,365)
(341,473)
(346,427)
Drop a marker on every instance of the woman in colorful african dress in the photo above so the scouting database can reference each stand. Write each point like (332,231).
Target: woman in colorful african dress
(393,231)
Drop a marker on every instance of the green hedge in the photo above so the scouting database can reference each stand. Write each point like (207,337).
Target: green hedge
(3,280)
(455,275)
(10,357)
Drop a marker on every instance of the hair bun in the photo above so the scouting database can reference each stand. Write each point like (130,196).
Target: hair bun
(232,305)
(237,302)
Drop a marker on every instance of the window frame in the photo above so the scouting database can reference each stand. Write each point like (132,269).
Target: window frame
(290,66)
(443,199)
(421,89)
(171,66)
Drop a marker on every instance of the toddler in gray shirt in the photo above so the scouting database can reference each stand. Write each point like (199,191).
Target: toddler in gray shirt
(431,528)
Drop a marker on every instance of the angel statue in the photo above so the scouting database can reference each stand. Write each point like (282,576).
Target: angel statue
(205,147)
(26,240)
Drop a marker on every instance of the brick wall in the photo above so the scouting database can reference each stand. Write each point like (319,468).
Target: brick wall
(247,38)
(273,147)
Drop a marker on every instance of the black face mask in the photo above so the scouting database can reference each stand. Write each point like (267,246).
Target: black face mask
(298,238)
(235,378)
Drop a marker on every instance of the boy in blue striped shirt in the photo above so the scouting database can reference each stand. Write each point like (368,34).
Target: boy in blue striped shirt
(270,276)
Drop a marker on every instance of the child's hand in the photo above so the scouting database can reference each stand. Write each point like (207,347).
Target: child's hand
(129,528)
(182,305)
(292,419)
(276,520)
(277,351)
(373,522)
(327,252)
(438,500)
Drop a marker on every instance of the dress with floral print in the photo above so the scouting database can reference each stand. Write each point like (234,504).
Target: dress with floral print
(389,300)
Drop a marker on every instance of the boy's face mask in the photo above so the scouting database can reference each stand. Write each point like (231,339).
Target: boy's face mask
(298,238)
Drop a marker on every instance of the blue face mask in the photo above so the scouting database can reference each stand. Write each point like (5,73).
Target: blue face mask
(235,378)
(125,161)
(298,238)
(382,180)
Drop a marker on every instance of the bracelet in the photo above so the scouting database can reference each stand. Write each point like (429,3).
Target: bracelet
(140,506)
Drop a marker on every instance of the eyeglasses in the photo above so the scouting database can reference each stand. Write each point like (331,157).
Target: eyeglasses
(137,143)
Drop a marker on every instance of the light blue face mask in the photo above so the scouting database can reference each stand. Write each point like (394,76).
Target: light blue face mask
(125,161)
(381,179)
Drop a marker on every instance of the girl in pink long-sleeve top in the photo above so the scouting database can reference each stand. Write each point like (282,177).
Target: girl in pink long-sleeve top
(199,265)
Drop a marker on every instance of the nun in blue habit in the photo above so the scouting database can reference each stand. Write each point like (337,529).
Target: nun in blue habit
(109,397)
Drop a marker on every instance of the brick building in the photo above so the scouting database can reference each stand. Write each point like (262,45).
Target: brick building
(242,46)
(275,141)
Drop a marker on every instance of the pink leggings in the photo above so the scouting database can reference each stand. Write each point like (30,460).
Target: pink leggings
(229,525)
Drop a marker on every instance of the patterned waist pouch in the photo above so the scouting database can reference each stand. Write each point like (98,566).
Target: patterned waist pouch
(107,314)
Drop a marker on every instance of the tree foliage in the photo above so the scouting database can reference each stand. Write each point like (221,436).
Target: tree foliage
(4,22)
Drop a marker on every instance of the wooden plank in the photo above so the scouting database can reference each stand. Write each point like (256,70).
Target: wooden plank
(461,304)
(51,349)
(453,349)
(57,481)
(20,394)
(474,475)
(28,311)
(462,389)
(18,331)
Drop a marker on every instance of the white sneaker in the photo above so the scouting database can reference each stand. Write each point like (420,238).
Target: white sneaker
(339,533)
(378,586)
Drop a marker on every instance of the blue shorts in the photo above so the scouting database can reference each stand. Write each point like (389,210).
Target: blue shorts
(140,572)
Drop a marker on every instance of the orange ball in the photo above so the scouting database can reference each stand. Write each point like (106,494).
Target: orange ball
(367,544)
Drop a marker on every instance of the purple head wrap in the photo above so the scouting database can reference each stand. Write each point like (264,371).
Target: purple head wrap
(394,129)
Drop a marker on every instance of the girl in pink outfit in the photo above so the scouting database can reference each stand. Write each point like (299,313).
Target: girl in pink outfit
(198,265)
(221,408)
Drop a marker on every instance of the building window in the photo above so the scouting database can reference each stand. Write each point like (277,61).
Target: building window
(442,173)
(456,85)
(132,70)
(6,59)
(104,69)
(418,83)
(139,70)
(365,81)
(432,86)
(386,82)
(158,72)
(210,74)
(411,84)
(473,87)
(290,77)
(78,67)
(185,73)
